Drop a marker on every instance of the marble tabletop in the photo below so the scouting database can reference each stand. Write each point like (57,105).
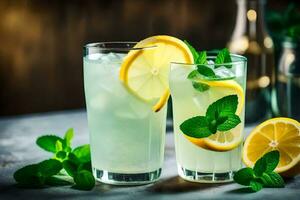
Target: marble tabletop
(17,148)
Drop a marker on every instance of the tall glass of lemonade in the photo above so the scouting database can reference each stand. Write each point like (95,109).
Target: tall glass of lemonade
(126,136)
(126,90)
(208,114)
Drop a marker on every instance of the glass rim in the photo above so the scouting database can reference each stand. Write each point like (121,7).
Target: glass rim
(122,47)
(242,59)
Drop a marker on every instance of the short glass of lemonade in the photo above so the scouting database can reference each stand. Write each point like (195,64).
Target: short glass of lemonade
(216,157)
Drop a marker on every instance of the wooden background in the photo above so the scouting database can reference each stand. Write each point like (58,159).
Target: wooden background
(41,41)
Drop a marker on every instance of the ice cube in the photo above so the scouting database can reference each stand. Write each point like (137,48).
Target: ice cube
(211,64)
(95,56)
(224,72)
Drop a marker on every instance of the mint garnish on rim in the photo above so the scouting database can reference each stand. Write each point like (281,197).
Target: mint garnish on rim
(204,69)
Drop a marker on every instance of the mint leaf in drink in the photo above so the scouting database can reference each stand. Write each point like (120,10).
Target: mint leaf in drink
(244,176)
(193,74)
(197,127)
(272,179)
(222,113)
(56,181)
(222,58)
(256,185)
(266,163)
(68,137)
(49,167)
(201,87)
(222,107)
(231,121)
(48,142)
(193,50)
(219,116)
(83,153)
(84,180)
(206,71)
(29,176)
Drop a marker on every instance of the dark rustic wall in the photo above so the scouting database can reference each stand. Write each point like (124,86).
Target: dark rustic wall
(41,41)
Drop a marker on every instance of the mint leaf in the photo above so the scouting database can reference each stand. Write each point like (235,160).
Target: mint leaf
(222,58)
(87,166)
(61,155)
(202,58)
(58,146)
(272,179)
(229,123)
(193,50)
(266,163)
(55,181)
(84,180)
(222,107)
(48,142)
(197,127)
(193,74)
(206,71)
(255,185)
(244,176)
(201,87)
(83,153)
(28,176)
(70,167)
(72,157)
(68,137)
(49,167)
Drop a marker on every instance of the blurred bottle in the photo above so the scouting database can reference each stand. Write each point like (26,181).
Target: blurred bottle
(250,38)
(288,80)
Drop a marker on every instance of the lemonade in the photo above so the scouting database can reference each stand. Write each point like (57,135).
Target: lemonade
(126,89)
(217,157)
(126,136)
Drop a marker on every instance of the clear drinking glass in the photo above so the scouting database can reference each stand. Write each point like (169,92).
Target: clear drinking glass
(127,138)
(217,157)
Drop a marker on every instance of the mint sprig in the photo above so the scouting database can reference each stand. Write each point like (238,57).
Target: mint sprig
(223,57)
(75,162)
(203,69)
(262,175)
(220,116)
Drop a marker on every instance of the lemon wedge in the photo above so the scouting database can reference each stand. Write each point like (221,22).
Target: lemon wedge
(282,134)
(145,72)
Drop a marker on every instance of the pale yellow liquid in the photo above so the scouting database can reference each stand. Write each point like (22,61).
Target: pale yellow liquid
(126,136)
(187,103)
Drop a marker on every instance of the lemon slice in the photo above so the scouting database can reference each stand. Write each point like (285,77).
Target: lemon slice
(224,141)
(219,89)
(145,72)
(282,134)
(228,140)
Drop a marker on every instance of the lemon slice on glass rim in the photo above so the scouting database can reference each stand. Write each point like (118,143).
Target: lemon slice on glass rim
(145,72)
